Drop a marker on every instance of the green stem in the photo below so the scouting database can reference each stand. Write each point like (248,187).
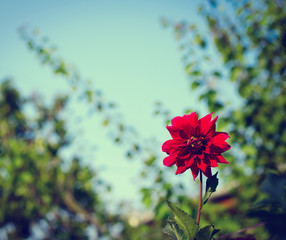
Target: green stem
(200,201)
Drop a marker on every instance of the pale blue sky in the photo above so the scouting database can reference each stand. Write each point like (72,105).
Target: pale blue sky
(123,49)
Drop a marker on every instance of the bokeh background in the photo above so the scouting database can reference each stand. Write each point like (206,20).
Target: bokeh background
(87,89)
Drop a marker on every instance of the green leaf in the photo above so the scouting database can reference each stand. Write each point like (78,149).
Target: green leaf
(200,41)
(146,196)
(207,233)
(105,122)
(196,73)
(217,73)
(211,186)
(61,69)
(89,95)
(184,221)
(173,231)
(195,84)
(150,160)
(215,231)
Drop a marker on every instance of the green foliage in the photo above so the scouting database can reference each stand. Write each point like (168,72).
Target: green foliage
(33,185)
(206,233)
(248,38)
(272,208)
(173,231)
(146,196)
(184,221)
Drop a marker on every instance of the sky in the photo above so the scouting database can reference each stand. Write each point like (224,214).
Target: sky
(123,49)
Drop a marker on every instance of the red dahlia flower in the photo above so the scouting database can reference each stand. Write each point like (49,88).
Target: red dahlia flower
(195,144)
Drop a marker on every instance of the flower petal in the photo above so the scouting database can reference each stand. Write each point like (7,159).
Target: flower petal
(204,122)
(220,136)
(193,119)
(213,163)
(213,160)
(219,147)
(207,149)
(221,159)
(181,169)
(188,126)
(174,132)
(195,170)
(184,155)
(172,145)
(211,128)
(183,134)
(208,171)
(201,162)
(196,131)
(190,161)
(191,124)
(170,160)
(177,122)
(218,158)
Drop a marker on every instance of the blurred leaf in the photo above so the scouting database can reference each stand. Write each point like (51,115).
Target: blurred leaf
(195,84)
(146,196)
(150,160)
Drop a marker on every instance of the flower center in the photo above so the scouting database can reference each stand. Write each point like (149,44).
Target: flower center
(196,144)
